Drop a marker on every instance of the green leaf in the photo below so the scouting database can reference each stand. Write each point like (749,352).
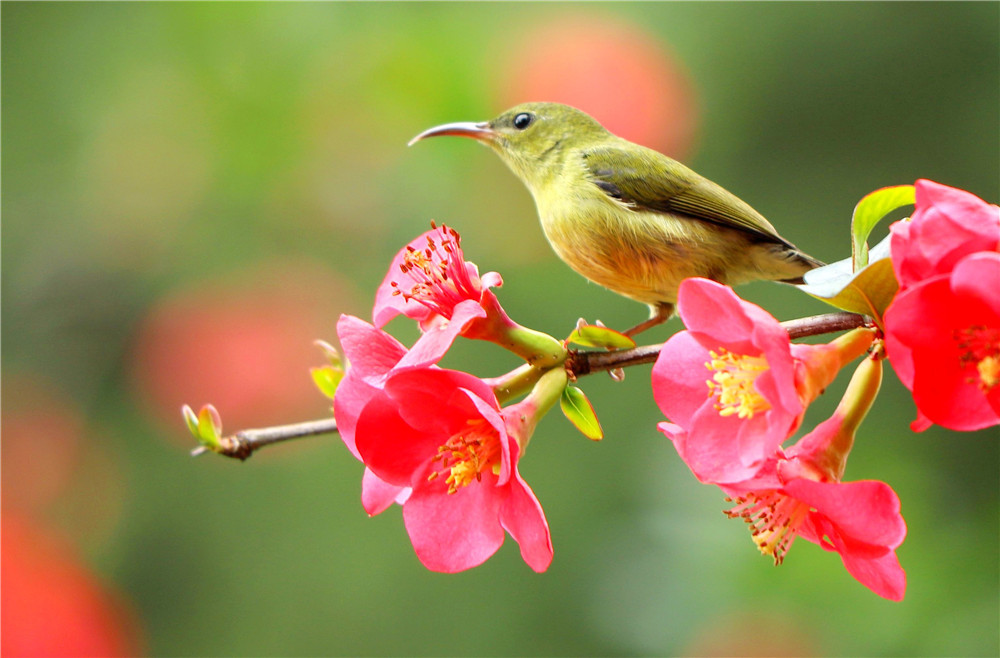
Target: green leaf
(869,211)
(209,427)
(592,335)
(327,379)
(577,408)
(191,418)
(868,291)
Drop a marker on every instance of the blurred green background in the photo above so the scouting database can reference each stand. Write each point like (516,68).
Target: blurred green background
(194,192)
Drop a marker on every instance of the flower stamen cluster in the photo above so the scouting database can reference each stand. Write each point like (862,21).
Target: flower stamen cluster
(732,383)
(774,520)
(466,455)
(436,275)
(979,351)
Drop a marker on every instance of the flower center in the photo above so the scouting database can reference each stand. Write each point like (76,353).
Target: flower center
(979,352)
(436,276)
(732,383)
(464,456)
(774,520)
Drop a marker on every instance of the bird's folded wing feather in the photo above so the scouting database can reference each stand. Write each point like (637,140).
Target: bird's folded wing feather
(647,180)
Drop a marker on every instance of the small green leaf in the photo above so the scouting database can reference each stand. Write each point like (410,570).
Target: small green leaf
(868,291)
(191,418)
(327,379)
(869,211)
(592,335)
(580,412)
(209,427)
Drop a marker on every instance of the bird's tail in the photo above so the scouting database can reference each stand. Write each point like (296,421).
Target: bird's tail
(803,261)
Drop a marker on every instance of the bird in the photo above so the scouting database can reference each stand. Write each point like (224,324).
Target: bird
(627,217)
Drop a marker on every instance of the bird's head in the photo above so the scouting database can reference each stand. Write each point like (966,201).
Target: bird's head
(532,138)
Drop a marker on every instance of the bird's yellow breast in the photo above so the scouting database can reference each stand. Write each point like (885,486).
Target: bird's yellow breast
(639,254)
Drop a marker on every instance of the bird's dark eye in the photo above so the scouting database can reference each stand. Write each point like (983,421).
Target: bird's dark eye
(523,120)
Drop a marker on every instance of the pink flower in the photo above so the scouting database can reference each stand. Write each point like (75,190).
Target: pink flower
(858,520)
(943,339)
(947,225)
(732,384)
(799,492)
(442,434)
(430,281)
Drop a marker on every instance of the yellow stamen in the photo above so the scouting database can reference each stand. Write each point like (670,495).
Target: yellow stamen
(979,347)
(466,455)
(774,519)
(989,372)
(732,383)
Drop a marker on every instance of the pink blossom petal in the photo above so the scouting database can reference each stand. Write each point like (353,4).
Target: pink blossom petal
(882,575)
(390,447)
(977,277)
(352,395)
(702,302)
(765,479)
(866,511)
(492,280)
(454,532)
(370,351)
(877,568)
(679,378)
(436,340)
(926,322)
(425,397)
(728,449)
(522,516)
(920,423)
(901,358)
(947,225)
(388,306)
(677,436)
(377,495)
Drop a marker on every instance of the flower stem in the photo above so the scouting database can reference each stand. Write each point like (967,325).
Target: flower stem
(857,402)
(515,383)
(543,397)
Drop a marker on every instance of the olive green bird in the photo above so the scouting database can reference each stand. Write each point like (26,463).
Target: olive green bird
(627,217)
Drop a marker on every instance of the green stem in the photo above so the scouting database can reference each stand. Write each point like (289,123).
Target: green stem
(856,403)
(542,398)
(515,383)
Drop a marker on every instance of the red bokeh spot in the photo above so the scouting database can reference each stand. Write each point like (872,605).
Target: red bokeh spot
(52,605)
(245,347)
(615,71)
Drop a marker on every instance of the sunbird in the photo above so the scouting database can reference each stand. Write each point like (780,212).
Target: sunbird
(627,217)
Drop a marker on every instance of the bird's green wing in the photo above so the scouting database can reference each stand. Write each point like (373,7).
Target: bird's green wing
(647,180)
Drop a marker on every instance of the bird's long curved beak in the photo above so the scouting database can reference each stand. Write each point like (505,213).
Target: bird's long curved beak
(478,131)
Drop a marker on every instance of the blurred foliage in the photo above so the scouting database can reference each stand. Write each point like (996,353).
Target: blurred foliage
(153,151)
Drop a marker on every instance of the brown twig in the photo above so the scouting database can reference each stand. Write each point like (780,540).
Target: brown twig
(245,442)
(584,363)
